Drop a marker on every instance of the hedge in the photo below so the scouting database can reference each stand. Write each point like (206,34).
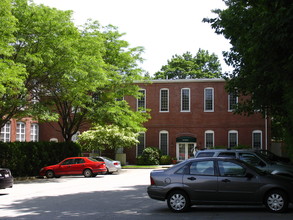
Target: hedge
(27,158)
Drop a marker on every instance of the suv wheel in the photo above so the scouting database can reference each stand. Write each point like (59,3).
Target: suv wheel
(276,201)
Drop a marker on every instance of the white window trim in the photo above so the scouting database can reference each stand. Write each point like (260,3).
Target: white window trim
(205,139)
(232,132)
(254,132)
(137,108)
(229,109)
(144,142)
(160,110)
(34,132)
(213,100)
(189,97)
(164,132)
(18,135)
(4,133)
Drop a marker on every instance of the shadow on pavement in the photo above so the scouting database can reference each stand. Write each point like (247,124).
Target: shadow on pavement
(128,203)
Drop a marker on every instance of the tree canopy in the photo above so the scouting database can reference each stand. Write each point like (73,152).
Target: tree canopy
(260,33)
(187,66)
(56,71)
(12,73)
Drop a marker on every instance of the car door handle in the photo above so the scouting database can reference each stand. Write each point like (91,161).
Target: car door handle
(191,178)
(226,181)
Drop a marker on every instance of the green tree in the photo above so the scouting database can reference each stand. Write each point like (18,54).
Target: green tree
(74,74)
(12,74)
(187,66)
(260,33)
(108,136)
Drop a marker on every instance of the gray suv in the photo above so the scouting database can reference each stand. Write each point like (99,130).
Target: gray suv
(252,157)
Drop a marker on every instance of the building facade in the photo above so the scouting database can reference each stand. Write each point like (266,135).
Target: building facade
(25,129)
(186,115)
(194,114)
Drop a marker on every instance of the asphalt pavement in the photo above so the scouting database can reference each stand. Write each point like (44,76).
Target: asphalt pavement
(121,197)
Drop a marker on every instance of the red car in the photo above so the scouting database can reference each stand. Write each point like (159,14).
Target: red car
(86,166)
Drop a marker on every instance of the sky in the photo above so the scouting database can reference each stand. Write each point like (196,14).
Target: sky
(162,27)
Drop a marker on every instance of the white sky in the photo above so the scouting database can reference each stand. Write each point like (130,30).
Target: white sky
(163,27)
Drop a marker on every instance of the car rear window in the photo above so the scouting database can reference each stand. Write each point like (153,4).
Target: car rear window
(227,154)
(205,154)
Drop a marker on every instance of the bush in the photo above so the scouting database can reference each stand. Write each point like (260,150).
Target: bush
(27,158)
(166,159)
(149,156)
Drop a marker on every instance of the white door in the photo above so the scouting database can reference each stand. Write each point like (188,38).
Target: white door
(184,150)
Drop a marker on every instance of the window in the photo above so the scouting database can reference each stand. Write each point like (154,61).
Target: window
(20,131)
(5,132)
(164,142)
(205,154)
(232,101)
(202,168)
(232,139)
(68,162)
(164,100)
(227,154)
(141,144)
(209,99)
(209,139)
(231,169)
(34,132)
(257,139)
(141,101)
(251,159)
(185,100)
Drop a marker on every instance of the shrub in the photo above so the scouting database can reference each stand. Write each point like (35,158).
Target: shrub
(27,158)
(149,156)
(165,159)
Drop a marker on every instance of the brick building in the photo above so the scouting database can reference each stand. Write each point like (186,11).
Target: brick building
(194,113)
(184,114)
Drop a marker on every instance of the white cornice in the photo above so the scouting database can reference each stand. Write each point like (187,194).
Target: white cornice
(183,80)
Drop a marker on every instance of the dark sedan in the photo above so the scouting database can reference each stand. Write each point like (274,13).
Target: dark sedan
(6,179)
(215,181)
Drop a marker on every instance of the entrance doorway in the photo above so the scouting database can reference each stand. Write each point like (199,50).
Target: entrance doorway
(184,150)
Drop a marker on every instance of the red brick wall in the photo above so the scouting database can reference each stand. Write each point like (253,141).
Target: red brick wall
(195,122)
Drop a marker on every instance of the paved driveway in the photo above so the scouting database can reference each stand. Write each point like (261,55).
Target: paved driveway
(120,197)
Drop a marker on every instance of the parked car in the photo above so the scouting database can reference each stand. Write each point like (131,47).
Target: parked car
(225,181)
(112,165)
(274,157)
(252,157)
(6,178)
(86,166)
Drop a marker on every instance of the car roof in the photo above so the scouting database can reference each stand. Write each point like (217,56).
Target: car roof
(226,150)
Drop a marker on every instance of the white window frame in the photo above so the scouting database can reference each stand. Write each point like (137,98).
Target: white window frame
(20,131)
(143,145)
(6,132)
(230,109)
(160,141)
(189,98)
(142,108)
(229,133)
(253,143)
(205,138)
(34,132)
(205,99)
(161,90)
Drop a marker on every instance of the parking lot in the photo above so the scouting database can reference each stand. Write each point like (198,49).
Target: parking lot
(121,196)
